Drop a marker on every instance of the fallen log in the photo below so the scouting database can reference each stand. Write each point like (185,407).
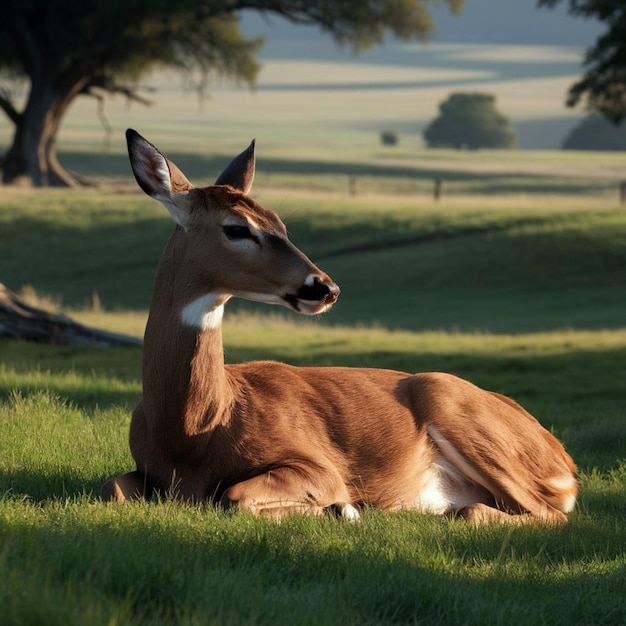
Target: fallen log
(19,320)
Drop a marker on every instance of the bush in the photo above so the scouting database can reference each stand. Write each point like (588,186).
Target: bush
(469,120)
(596,133)
(388,138)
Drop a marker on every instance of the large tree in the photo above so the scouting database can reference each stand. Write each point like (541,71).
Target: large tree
(61,49)
(603,86)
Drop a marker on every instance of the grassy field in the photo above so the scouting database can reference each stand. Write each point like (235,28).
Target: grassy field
(313,98)
(516,281)
(68,559)
(495,265)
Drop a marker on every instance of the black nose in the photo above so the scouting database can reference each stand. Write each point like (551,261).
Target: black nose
(319,291)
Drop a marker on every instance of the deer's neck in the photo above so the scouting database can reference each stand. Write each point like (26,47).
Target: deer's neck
(186,390)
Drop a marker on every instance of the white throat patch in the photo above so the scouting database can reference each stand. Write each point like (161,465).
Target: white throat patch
(203,313)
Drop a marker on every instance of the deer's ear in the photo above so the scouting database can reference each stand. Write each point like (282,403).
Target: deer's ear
(239,173)
(158,176)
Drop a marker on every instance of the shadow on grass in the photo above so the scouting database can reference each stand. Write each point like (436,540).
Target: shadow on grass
(87,378)
(116,261)
(518,274)
(52,486)
(242,570)
(83,394)
(204,170)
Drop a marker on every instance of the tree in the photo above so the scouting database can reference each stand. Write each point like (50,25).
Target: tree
(469,120)
(603,86)
(596,133)
(65,48)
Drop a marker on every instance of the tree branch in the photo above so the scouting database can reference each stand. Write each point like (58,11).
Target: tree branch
(110,87)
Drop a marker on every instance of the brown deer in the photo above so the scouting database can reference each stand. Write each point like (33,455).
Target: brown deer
(275,439)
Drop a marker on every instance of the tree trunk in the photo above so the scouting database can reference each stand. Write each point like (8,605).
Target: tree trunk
(21,321)
(33,151)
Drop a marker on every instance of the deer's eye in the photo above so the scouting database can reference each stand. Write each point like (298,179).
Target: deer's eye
(237,231)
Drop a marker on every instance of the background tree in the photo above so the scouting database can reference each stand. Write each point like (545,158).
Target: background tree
(596,133)
(603,86)
(469,120)
(65,48)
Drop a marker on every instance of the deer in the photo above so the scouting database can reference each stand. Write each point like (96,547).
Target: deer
(275,439)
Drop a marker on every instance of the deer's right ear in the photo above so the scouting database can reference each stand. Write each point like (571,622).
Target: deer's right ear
(158,176)
(239,173)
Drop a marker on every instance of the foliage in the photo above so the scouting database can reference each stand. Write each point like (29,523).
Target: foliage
(67,48)
(469,120)
(603,86)
(596,133)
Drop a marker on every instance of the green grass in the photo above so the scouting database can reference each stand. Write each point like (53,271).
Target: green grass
(200,567)
(522,294)
(508,266)
(68,559)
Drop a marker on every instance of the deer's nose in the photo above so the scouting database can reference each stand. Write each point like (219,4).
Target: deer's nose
(318,290)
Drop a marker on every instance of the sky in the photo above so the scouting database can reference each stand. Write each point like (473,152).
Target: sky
(481,21)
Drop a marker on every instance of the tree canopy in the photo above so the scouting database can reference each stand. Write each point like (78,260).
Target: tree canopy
(603,86)
(66,48)
(469,120)
(596,133)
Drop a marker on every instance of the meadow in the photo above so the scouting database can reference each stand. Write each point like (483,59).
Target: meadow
(516,280)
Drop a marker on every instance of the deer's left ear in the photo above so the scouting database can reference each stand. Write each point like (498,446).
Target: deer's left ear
(158,176)
(239,173)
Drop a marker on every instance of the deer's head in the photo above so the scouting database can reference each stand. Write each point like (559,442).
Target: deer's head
(231,245)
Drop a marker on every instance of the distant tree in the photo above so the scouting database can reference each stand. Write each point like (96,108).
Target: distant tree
(60,49)
(469,120)
(603,86)
(389,138)
(596,133)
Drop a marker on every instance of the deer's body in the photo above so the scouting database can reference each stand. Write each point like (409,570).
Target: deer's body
(276,439)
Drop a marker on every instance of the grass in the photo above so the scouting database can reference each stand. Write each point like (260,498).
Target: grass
(318,97)
(506,267)
(202,567)
(522,294)
(69,559)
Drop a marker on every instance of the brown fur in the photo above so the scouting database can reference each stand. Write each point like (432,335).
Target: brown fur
(276,439)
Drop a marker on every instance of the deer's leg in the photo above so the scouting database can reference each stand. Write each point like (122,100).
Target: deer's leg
(131,486)
(480,514)
(285,491)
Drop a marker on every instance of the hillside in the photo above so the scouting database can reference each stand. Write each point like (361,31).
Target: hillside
(526,56)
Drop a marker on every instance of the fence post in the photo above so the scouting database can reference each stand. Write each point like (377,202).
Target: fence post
(622,192)
(438,191)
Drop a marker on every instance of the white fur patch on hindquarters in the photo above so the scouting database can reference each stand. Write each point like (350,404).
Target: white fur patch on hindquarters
(567,486)
(462,484)
(203,313)
(432,497)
